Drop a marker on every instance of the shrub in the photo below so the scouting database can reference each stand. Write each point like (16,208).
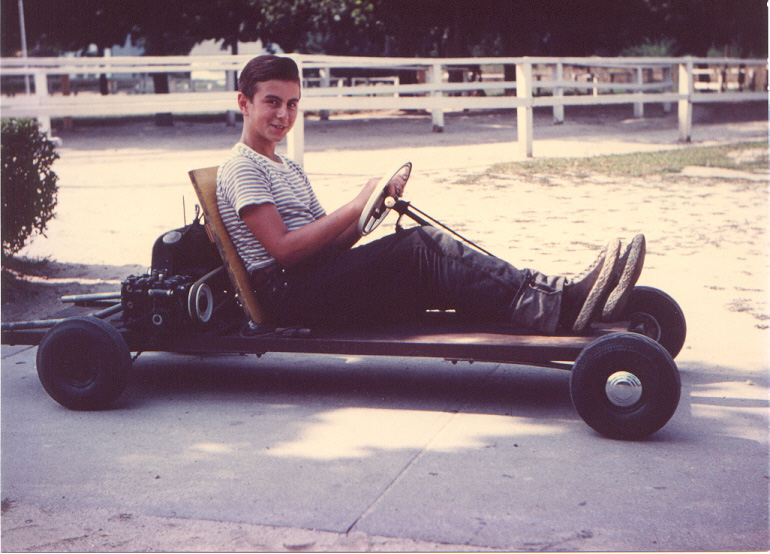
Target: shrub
(731,50)
(28,183)
(663,48)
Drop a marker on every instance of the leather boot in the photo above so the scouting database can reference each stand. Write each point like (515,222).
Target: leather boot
(583,298)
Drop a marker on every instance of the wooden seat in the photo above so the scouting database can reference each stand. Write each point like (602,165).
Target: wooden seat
(205,183)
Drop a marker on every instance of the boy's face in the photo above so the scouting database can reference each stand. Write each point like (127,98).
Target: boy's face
(271,113)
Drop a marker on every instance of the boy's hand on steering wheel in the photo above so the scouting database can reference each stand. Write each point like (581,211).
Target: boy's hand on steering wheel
(396,185)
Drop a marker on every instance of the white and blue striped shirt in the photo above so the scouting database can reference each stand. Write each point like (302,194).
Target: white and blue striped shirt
(248,178)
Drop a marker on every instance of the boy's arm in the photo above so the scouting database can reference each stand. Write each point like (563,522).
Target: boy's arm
(292,247)
(349,237)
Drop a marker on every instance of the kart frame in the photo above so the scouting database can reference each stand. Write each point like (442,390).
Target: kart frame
(440,338)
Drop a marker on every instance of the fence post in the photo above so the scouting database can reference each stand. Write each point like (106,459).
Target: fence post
(639,106)
(325,74)
(230,84)
(437,113)
(558,110)
(295,140)
(524,116)
(66,89)
(685,104)
(667,72)
(41,94)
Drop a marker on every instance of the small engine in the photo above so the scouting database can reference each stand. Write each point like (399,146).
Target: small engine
(163,300)
(178,290)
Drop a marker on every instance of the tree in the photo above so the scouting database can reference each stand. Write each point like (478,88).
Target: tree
(54,26)
(395,27)
(698,25)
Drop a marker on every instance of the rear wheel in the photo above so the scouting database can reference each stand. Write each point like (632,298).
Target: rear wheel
(654,314)
(625,386)
(83,363)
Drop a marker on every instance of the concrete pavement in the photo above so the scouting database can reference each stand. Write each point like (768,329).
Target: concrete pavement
(468,456)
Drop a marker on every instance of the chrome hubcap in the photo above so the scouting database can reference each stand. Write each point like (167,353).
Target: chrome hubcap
(623,389)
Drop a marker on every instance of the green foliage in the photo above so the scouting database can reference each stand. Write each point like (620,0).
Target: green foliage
(28,183)
(731,50)
(444,28)
(662,48)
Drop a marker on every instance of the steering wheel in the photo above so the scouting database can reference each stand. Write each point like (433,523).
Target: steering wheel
(379,204)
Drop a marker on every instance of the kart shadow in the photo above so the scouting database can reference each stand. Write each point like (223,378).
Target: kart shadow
(314,382)
(397,383)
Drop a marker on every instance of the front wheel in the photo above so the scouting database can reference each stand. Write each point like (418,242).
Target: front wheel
(625,386)
(83,363)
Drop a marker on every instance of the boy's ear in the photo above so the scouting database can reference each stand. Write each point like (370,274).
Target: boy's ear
(243,103)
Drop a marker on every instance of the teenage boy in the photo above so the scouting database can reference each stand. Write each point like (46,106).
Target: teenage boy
(306,271)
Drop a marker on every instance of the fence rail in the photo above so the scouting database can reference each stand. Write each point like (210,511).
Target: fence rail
(355,83)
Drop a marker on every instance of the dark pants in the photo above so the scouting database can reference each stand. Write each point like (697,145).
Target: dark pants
(401,275)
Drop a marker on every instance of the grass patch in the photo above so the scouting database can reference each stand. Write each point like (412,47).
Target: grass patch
(644,164)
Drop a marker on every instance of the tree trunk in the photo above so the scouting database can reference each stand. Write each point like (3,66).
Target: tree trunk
(230,114)
(509,74)
(160,85)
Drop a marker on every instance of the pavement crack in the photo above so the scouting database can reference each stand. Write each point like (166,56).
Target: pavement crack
(449,416)
(58,543)
(450,413)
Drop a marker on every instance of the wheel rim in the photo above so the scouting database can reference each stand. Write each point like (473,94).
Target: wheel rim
(623,389)
(645,324)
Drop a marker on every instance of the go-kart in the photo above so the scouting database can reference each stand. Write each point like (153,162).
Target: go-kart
(197,298)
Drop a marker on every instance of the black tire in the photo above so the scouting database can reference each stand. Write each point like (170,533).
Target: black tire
(646,390)
(653,313)
(84,363)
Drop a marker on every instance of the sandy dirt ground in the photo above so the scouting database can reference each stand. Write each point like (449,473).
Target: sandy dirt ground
(122,186)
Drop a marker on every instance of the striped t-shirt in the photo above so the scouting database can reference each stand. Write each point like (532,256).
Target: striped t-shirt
(248,178)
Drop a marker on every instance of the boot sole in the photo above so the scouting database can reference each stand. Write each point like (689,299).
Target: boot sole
(595,300)
(618,298)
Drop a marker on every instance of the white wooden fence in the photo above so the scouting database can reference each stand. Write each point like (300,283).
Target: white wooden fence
(540,82)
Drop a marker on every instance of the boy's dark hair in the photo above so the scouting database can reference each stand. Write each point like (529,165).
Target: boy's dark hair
(265,68)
